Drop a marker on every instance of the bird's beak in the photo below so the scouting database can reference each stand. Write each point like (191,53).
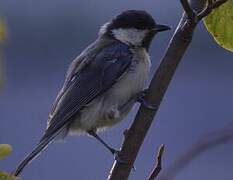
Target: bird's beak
(160,28)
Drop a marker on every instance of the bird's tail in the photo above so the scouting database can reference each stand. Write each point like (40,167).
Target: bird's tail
(29,158)
(44,142)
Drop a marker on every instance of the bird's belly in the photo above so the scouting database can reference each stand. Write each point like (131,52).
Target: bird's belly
(106,110)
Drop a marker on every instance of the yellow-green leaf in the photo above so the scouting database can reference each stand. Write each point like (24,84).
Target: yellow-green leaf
(5,176)
(220,24)
(5,150)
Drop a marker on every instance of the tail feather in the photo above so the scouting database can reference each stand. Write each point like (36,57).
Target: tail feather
(30,157)
(44,142)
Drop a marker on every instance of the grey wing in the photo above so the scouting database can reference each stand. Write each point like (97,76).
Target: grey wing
(74,67)
(77,65)
(71,71)
(88,83)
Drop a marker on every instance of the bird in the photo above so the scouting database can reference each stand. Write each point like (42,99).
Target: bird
(103,83)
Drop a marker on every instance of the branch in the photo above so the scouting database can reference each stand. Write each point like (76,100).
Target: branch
(205,143)
(157,88)
(188,10)
(158,167)
(194,17)
(210,6)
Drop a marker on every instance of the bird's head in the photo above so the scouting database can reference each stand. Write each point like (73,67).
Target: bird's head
(133,27)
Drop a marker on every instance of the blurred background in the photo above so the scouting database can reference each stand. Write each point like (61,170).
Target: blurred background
(43,38)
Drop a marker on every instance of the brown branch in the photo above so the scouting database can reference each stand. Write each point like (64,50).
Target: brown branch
(209,8)
(188,10)
(205,143)
(158,166)
(158,86)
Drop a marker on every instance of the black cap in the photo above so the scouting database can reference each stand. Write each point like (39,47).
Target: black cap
(133,19)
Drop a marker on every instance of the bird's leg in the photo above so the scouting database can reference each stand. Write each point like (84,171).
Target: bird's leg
(141,99)
(93,133)
(114,152)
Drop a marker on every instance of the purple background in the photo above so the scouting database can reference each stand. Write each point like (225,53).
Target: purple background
(44,36)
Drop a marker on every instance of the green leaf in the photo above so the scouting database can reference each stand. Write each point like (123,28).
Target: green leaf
(5,150)
(5,176)
(220,24)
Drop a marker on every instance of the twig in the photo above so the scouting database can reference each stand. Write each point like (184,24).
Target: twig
(194,17)
(205,143)
(188,10)
(158,86)
(209,8)
(158,167)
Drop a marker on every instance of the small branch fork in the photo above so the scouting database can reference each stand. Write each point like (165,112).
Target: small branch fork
(158,166)
(194,17)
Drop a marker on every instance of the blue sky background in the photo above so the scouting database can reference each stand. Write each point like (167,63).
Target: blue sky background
(45,35)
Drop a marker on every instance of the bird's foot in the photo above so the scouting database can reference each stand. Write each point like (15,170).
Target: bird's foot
(116,154)
(141,99)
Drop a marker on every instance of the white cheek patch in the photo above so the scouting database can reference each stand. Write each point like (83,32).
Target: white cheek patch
(130,36)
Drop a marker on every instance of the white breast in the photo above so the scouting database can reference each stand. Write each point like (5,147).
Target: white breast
(131,83)
(134,80)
